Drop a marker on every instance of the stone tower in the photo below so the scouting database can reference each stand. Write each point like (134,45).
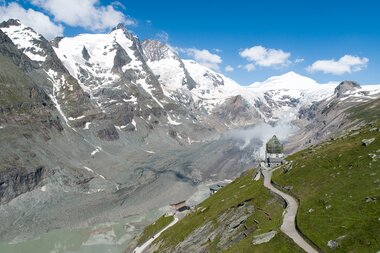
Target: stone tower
(274,152)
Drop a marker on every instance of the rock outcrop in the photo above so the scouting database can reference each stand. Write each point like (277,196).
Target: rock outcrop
(16,181)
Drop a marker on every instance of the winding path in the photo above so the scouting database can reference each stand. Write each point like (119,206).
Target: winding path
(288,225)
(149,242)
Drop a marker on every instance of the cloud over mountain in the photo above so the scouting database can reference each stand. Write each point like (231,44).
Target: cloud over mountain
(265,57)
(39,21)
(346,64)
(88,14)
(205,57)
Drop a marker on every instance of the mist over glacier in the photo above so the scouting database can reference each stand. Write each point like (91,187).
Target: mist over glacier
(260,133)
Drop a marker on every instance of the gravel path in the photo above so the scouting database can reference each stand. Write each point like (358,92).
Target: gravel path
(288,225)
(149,242)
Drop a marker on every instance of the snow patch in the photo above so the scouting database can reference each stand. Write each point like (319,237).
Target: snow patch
(87,125)
(173,122)
(134,124)
(92,171)
(133,99)
(57,84)
(80,117)
(98,149)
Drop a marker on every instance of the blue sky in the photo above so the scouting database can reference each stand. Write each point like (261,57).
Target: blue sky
(324,40)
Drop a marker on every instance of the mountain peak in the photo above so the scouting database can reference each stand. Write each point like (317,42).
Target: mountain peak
(289,80)
(26,39)
(156,50)
(346,86)
(10,22)
(119,26)
(291,74)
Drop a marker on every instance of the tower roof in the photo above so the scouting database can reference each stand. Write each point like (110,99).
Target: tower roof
(274,146)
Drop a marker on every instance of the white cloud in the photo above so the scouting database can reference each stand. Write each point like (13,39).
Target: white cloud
(39,21)
(266,57)
(88,14)
(299,60)
(249,67)
(205,58)
(346,64)
(229,68)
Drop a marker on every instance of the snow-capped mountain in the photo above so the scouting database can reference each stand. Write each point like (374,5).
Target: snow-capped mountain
(26,40)
(69,98)
(131,81)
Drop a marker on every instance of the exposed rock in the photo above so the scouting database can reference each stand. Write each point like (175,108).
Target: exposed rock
(370,199)
(120,60)
(332,244)
(234,224)
(366,142)
(14,182)
(108,134)
(263,238)
(230,230)
(236,110)
(288,167)
(85,54)
(344,87)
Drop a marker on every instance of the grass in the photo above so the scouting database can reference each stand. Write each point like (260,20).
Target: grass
(338,185)
(279,244)
(154,228)
(266,217)
(369,111)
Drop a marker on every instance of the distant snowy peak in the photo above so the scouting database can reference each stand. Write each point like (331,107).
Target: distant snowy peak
(167,66)
(155,50)
(212,89)
(25,38)
(209,79)
(125,31)
(290,80)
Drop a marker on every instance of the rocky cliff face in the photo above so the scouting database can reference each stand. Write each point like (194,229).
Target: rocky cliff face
(345,87)
(26,110)
(50,74)
(323,119)
(16,181)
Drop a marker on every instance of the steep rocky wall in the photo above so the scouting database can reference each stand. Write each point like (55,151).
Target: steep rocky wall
(14,182)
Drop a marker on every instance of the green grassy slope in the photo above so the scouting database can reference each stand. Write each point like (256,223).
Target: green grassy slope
(338,185)
(369,111)
(154,228)
(266,217)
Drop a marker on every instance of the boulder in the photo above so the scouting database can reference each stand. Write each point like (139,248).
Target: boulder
(332,244)
(366,142)
(263,238)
